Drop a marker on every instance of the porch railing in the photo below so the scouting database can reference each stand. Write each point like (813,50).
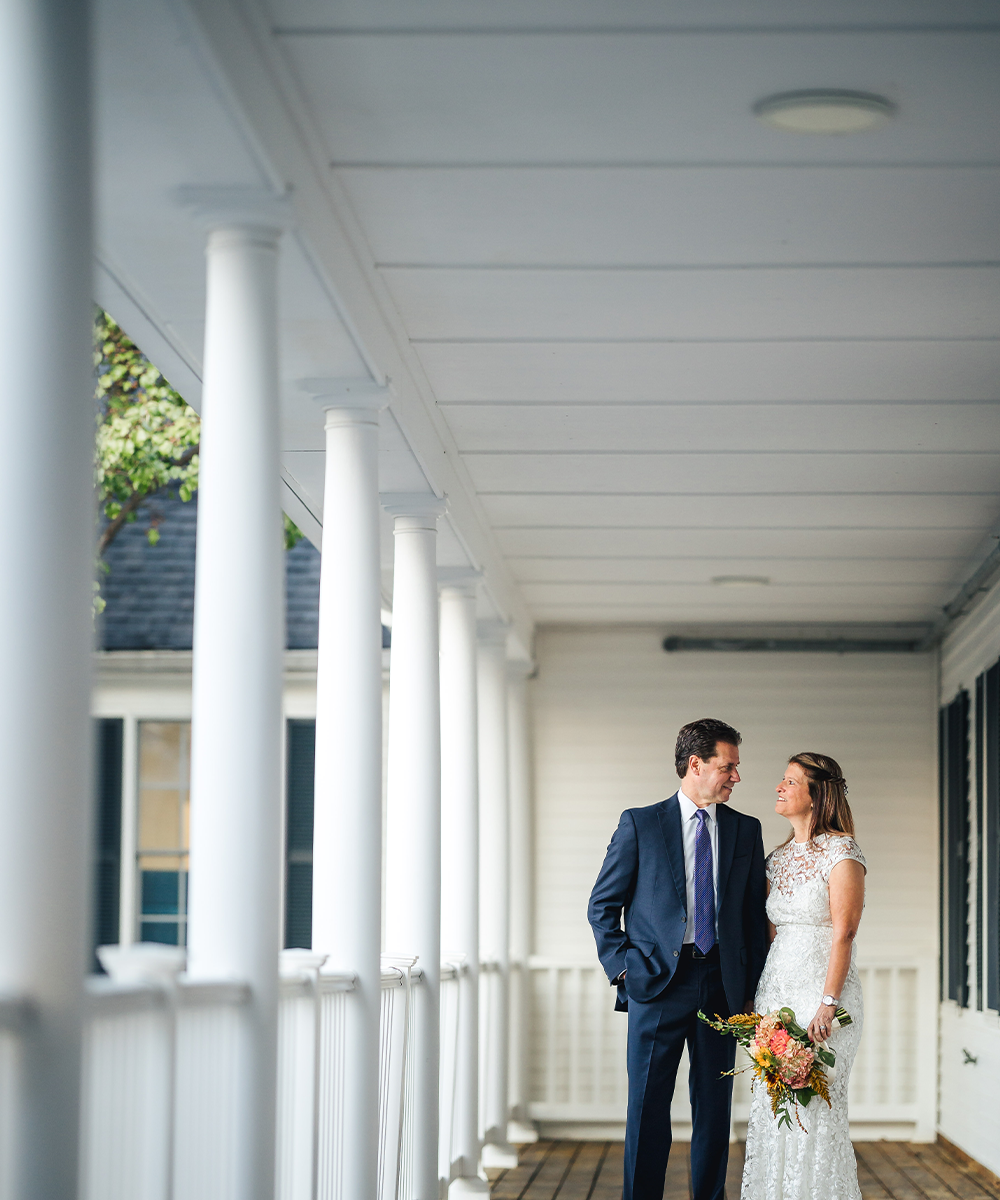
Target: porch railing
(577,1059)
(161,1084)
(311,1015)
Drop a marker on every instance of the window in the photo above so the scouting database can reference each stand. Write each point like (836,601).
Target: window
(162,841)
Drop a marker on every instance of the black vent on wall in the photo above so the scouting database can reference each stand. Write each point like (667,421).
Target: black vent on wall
(109,738)
(954,793)
(301,763)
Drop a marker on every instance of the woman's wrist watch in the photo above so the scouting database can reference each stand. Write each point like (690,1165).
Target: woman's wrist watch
(832,1001)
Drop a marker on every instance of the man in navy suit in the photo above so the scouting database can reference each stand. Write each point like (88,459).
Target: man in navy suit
(689,874)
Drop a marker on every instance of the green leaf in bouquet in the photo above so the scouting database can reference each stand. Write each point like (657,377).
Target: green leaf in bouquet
(788,1020)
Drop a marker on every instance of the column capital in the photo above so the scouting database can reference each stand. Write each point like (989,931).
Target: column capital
(243,208)
(493,633)
(463,580)
(347,401)
(414,504)
(519,668)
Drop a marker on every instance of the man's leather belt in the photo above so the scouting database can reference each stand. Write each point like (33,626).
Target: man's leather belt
(690,950)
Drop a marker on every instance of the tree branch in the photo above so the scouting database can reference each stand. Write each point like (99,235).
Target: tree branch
(113,527)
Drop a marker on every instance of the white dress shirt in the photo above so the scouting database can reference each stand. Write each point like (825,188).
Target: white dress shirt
(689,830)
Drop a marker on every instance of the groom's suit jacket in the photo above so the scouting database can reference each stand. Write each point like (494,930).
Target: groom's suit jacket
(643,874)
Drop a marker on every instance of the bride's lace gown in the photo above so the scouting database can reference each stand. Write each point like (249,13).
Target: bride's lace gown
(783,1164)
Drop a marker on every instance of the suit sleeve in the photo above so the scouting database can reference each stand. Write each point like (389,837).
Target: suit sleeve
(611,894)
(755,918)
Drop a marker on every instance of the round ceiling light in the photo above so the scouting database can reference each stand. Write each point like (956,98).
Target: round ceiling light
(825,110)
(741,581)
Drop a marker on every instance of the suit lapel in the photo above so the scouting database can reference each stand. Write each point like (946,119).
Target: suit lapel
(670,827)
(727,846)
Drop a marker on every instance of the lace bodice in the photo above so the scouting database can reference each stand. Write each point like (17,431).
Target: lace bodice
(799,875)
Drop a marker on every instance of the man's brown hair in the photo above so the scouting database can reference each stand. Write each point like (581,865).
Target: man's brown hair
(701,738)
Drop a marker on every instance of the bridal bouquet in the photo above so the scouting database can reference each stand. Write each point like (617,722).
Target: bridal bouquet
(792,1066)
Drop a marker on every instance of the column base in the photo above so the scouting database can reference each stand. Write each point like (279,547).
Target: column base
(499,1154)
(521,1132)
(466,1186)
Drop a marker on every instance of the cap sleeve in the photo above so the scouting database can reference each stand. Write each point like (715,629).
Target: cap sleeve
(839,847)
(768,864)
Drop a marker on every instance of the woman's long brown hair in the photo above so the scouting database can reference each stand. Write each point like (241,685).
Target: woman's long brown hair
(828,791)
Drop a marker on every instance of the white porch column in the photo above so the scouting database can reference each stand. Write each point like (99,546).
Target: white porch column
(519,746)
(460,852)
(347,837)
(47,563)
(235,868)
(494,884)
(413,806)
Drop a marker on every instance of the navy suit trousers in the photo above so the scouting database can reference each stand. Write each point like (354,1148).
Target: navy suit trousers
(657,1032)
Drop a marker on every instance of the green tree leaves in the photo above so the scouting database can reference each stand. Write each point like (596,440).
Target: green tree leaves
(147,437)
(147,440)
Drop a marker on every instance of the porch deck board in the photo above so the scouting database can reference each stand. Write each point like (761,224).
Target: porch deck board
(564,1170)
(608,1183)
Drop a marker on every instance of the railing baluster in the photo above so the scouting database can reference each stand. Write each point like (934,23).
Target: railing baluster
(858,1090)
(576,1004)
(553,1025)
(893,1033)
(599,1034)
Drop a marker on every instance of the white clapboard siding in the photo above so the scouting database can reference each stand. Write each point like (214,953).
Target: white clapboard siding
(968,1101)
(607,706)
(968,1097)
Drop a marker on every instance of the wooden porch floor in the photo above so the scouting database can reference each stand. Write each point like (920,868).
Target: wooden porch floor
(593,1171)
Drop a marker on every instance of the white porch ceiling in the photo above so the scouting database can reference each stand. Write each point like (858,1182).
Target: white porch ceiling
(640,338)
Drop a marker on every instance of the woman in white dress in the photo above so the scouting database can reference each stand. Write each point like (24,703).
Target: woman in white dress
(816,890)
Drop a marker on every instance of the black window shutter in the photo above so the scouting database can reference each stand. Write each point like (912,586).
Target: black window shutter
(957,848)
(109,733)
(943,851)
(301,761)
(991,756)
(978,848)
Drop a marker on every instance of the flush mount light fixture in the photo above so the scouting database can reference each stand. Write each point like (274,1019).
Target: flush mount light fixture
(825,110)
(741,581)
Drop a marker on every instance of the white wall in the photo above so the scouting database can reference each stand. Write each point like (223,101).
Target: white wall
(607,706)
(969,1091)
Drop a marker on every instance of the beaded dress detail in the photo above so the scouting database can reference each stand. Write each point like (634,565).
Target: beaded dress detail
(783,1164)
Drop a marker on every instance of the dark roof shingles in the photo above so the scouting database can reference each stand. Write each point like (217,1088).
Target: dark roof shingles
(149,590)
